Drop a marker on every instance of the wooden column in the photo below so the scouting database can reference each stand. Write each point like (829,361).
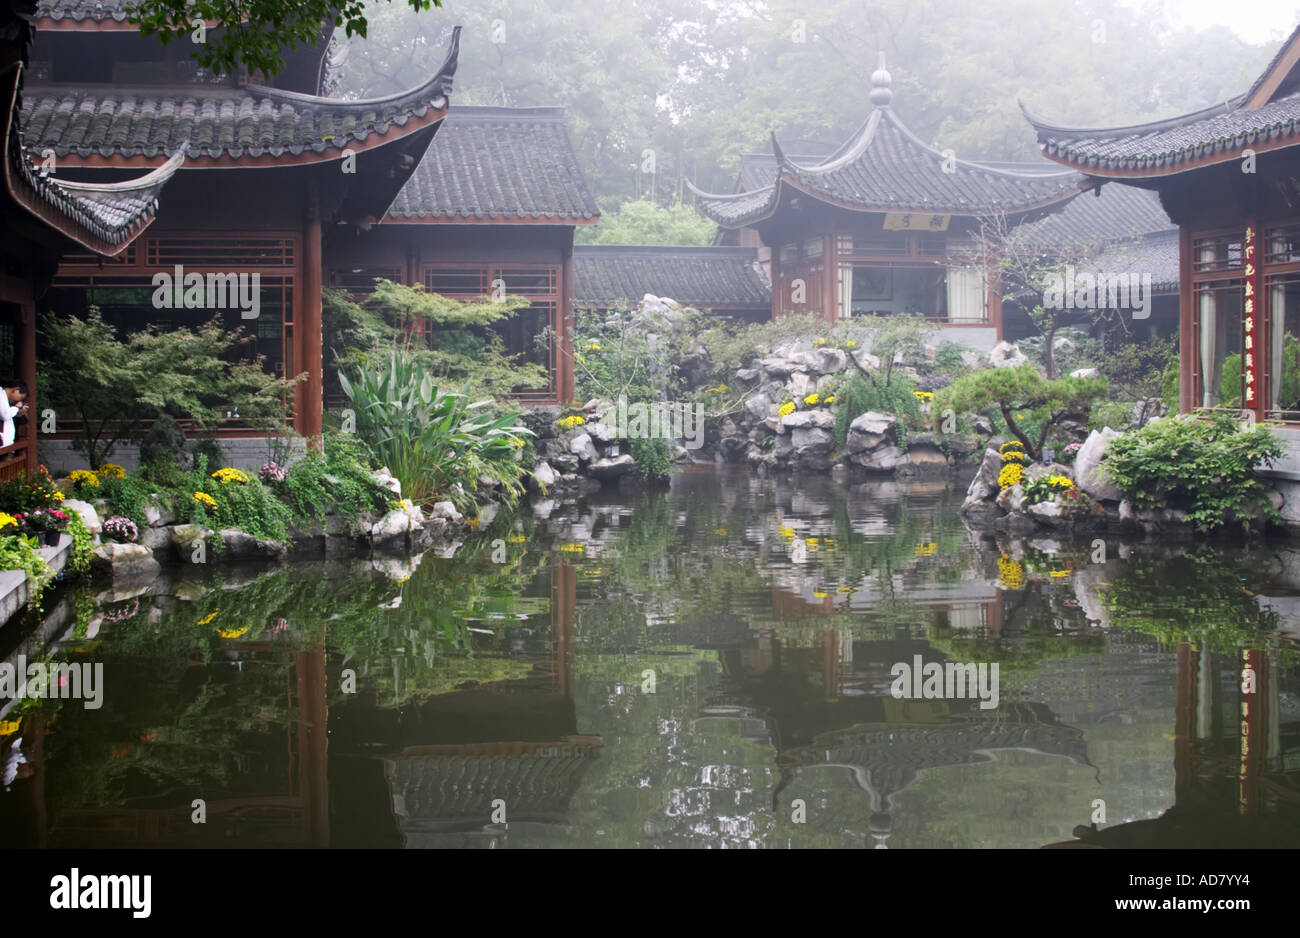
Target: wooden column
(309,396)
(564,387)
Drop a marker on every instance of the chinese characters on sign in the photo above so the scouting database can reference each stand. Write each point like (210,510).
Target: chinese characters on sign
(1249,334)
(895,221)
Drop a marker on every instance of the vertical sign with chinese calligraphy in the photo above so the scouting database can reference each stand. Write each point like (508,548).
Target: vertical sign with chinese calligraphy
(1250,332)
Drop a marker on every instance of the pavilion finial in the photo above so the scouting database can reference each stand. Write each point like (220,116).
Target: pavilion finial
(880,82)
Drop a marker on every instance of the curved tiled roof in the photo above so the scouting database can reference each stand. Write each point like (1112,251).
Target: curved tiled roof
(103,217)
(498,163)
(884,167)
(1167,146)
(1213,135)
(1113,213)
(703,277)
(231,124)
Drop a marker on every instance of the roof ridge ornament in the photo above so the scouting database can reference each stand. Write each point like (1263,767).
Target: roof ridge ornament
(881,94)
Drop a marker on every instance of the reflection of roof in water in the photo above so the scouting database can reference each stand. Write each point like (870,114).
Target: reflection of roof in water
(886,758)
(452,788)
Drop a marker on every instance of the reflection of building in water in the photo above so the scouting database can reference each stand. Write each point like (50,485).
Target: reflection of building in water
(1236,759)
(827,705)
(353,774)
(448,762)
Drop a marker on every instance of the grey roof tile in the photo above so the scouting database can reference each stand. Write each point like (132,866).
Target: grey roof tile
(886,168)
(218,122)
(1170,144)
(495,162)
(703,277)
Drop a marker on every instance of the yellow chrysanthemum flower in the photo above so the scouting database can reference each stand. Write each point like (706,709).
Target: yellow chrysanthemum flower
(84,478)
(111,470)
(812,399)
(232,633)
(9,726)
(1010,475)
(568,423)
(206,500)
(786,409)
(206,619)
(227,475)
(787,532)
(1061,482)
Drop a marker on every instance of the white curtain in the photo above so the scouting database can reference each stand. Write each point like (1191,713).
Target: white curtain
(1277,344)
(967,295)
(846,291)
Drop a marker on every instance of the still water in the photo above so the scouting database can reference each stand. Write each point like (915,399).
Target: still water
(708,666)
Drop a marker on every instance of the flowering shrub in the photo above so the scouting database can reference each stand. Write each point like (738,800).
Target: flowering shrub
(1047,488)
(829,399)
(228,475)
(568,423)
(122,530)
(206,500)
(1010,475)
(785,409)
(812,399)
(83,479)
(1068,454)
(924,396)
(111,470)
(272,471)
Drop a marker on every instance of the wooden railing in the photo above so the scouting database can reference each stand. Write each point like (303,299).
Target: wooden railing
(13,461)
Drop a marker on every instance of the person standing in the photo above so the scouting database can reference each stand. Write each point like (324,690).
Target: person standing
(13,405)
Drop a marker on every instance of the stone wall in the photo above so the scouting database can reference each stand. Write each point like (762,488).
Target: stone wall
(247,453)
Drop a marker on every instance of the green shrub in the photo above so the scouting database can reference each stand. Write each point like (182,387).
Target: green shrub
(338,478)
(430,439)
(1030,405)
(1204,463)
(861,394)
(654,457)
(20,552)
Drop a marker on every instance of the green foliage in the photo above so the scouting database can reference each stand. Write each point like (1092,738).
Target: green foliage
(269,27)
(654,457)
(248,506)
(1021,396)
(641,221)
(1204,463)
(83,542)
(131,494)
(1230,382)
(723,75)
(20,552)
(429,439)
(339,479)
(113,385)
(456,342)
(861,394)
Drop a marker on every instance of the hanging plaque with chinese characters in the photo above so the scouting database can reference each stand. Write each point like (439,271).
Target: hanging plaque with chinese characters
(1250,332)
(910,221)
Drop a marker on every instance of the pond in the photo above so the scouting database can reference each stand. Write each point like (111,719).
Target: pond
(715,664)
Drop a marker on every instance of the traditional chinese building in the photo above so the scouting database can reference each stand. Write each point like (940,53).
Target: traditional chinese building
(1229,178)
(42,219)
(492,208)
(884,225)
(274,175)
